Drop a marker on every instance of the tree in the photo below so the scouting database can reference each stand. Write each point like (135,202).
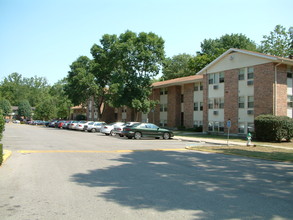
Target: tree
(60,99)
(177,66)
(5,106)
(278,43)
(104,64)
(213,48)
(138,58)
(45,110)
(24,109)
(15,88)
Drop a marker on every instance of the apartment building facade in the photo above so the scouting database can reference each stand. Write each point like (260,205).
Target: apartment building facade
(236,87)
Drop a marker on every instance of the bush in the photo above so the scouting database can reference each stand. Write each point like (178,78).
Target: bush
(1,154)
(2,124)
(80,117)
(273,128)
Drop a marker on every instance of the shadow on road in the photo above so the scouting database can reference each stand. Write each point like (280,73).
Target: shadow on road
(212,186)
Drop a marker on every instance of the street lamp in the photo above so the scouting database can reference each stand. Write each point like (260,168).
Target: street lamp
(291,37)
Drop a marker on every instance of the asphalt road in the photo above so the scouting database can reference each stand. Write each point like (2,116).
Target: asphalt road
(61,174)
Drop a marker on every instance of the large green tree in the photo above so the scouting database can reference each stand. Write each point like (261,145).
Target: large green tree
(279,42)
(45,110)
(177,66)
(138,59)
(5,106)
(24,109)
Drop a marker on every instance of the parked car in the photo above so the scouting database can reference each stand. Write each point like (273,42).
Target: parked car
(146,130)
(72,125)
(108,129)
(81,125)
(119,128)
(94,126)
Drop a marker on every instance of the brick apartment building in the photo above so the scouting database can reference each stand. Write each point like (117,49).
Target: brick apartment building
(237,86)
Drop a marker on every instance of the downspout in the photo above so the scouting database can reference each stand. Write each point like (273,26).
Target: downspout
(275,90)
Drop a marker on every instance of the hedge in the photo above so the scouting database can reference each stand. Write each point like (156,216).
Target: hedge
(1,154)
(273,128)
(2,124)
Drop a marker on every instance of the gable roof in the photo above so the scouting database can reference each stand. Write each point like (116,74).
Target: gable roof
(272,58)
(177,81)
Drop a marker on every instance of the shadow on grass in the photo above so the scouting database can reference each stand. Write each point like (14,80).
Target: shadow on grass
(277,156)
(205,186)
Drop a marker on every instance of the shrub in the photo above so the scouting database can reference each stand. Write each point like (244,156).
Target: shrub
(273,128)
(2,124)
(80,117)
(1,154)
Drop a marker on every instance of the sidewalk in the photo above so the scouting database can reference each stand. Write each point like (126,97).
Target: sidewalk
(222,142)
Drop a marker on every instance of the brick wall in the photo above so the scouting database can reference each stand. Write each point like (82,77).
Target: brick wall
(188,92)
(231,99)
(205,102)
(281,108)
(263,89)
(174,106)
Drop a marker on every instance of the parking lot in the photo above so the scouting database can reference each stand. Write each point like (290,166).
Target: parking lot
(64,174)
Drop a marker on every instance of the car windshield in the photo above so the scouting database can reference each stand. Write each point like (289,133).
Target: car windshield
(91,123)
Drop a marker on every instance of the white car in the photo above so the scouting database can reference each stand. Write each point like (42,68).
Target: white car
(94,126)
(72,125)
(80,125)
(108,129)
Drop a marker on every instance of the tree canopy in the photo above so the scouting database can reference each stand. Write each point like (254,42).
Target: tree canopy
(279,42)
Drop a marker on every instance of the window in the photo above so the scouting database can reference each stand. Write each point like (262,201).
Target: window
(250,102)
(163,108)
(289,75)
(250,127)
(211,104)
(200,86)
(241,128)
(241,102)
(211,126)
(221,103)
(211,78)
(216,103)
(182,98)
(221,126)
(290,101)
(201,106)
(221,78)
(241,74)
(250,73)
(196,87)
(196,106)
(164,91)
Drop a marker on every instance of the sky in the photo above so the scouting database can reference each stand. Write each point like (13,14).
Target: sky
(43,37)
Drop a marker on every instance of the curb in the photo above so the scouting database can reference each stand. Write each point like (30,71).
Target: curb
(6,155)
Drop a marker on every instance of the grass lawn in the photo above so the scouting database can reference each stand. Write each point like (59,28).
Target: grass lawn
(231,138)
(261,152)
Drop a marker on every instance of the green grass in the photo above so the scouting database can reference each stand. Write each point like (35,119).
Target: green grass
(231,138)
(261,152)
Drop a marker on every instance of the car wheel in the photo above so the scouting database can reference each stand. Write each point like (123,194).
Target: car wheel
(137,135)
(166,136)
(106,134)
(121,135)
(93,130)
(112,133)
